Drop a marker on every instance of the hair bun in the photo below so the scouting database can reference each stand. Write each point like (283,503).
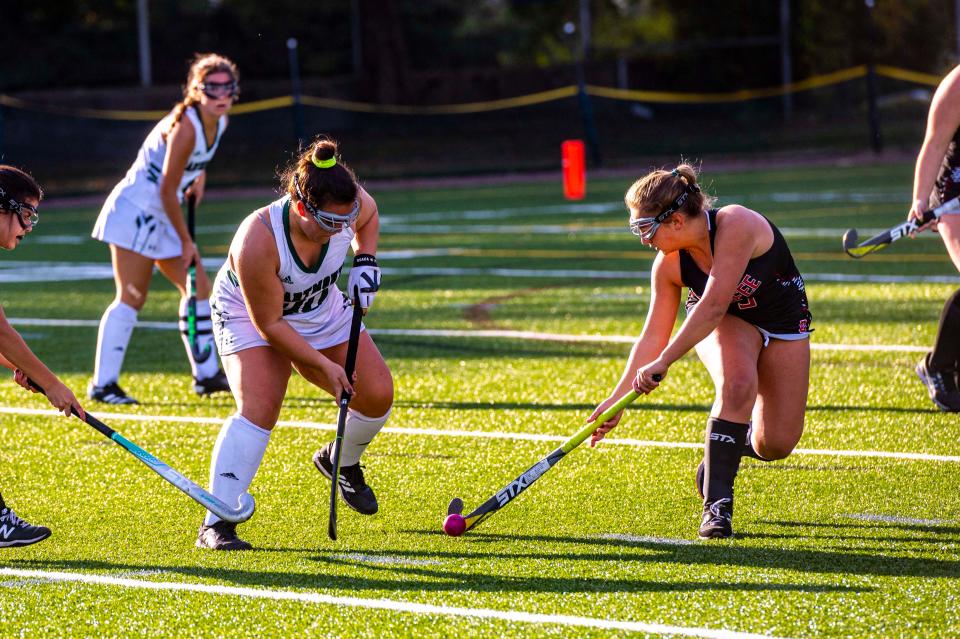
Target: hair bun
(325,149)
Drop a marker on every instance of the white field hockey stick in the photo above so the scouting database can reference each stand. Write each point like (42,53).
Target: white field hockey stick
(891,235)
(241,513)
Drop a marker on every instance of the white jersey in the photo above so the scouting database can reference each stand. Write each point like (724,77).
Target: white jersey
(141,184)
(312,303)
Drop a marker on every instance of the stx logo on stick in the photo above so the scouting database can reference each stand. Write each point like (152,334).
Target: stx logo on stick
(517,486)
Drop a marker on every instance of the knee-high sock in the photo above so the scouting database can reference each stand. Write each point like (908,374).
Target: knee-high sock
(724,447)
(236,459)
(358,432)
(116,325)
(946,349)
(204,363)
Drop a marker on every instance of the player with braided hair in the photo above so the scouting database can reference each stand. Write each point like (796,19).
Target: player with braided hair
(144,225)
(276,304)
(746,317)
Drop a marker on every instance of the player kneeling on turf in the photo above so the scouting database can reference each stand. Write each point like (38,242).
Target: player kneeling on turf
(19,198)
(747,318)
(275,304)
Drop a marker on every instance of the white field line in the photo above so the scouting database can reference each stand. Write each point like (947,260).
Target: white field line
(642,539)
(896,519)
(483,434)
(493,334)
(381,604)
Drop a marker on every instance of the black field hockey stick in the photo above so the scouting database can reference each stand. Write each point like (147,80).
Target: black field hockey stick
(509,492)
(891,235)
(198,356)
(348,367)
(241,513)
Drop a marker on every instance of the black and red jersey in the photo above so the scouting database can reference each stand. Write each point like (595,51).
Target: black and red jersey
(771,293)
(948,180)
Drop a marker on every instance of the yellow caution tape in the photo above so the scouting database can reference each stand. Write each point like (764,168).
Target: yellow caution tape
(844,75)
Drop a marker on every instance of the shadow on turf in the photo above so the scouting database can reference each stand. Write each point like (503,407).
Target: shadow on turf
(420,579)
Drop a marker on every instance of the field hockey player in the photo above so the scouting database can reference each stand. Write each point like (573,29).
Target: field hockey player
(746,317)
(143,223)
(275,304)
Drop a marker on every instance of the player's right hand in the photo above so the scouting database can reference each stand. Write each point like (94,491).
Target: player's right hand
(916,214)
(64,400)
(608,425)
(190,255)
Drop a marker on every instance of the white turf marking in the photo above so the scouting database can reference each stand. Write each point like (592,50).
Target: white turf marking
(895,519)
(482,434)
(387,560)
(638,539)
(382,604)
(498,334)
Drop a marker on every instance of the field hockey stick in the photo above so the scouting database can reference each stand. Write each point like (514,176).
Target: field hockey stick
(891,235)
(509,492)
(241,513)
(348,367)
(198,356)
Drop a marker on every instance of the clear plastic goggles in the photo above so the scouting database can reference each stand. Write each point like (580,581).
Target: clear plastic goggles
(329,221)
(219,90)
(646,227)
(26,212)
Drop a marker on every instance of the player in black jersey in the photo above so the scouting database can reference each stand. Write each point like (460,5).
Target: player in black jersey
(937,180)
(747,318)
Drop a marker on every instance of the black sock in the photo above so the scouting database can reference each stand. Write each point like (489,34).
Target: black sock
(946,348)
(724,447)
(2,505)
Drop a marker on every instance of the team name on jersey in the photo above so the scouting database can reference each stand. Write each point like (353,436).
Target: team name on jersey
(743,297)
(311,298)
(196,166)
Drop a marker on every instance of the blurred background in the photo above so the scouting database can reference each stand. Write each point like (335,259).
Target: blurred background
(422,88)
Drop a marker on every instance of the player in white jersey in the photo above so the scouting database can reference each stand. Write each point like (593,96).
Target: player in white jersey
(19,198)
(143,223)
(276,304)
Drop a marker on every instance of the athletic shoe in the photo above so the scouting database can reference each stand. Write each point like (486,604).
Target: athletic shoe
(717,522)
(109,394)
(941,386)
(353,488)
(211,385)
(221,536)
(16,532)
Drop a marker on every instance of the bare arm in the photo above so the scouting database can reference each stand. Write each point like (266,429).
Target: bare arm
(661,317)
(256,262)
(367,226)
(18,355)
(742,235)
(180,143)
(942,123)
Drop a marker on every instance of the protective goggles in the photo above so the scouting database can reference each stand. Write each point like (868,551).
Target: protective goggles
(219,90)
(23,210)
(646,227)
(328,221)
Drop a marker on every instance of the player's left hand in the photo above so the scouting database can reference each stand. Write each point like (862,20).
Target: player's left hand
(364,278)
(916,214)
(649,376)
(194,190)
(21,378)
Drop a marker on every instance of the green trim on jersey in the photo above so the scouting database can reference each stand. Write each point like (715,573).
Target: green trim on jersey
(293,251)
(203,133)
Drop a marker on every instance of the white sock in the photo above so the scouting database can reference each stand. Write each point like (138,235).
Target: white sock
(235,460)
(359,430)
(116,325)
(209,365)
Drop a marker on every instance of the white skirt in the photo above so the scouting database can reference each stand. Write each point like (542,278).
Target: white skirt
(148,232)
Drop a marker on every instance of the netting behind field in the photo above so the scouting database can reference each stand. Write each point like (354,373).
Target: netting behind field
(77,152)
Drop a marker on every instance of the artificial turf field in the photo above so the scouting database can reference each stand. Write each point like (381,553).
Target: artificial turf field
(855,535)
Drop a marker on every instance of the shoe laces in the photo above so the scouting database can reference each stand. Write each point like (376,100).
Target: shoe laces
(10,517)
(354,475)
(721,508)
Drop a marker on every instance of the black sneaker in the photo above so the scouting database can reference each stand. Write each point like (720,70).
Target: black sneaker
(353,488)
(717,522)
(210,385)
(221,536)
(109,394)
(941,386)
(16,532)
